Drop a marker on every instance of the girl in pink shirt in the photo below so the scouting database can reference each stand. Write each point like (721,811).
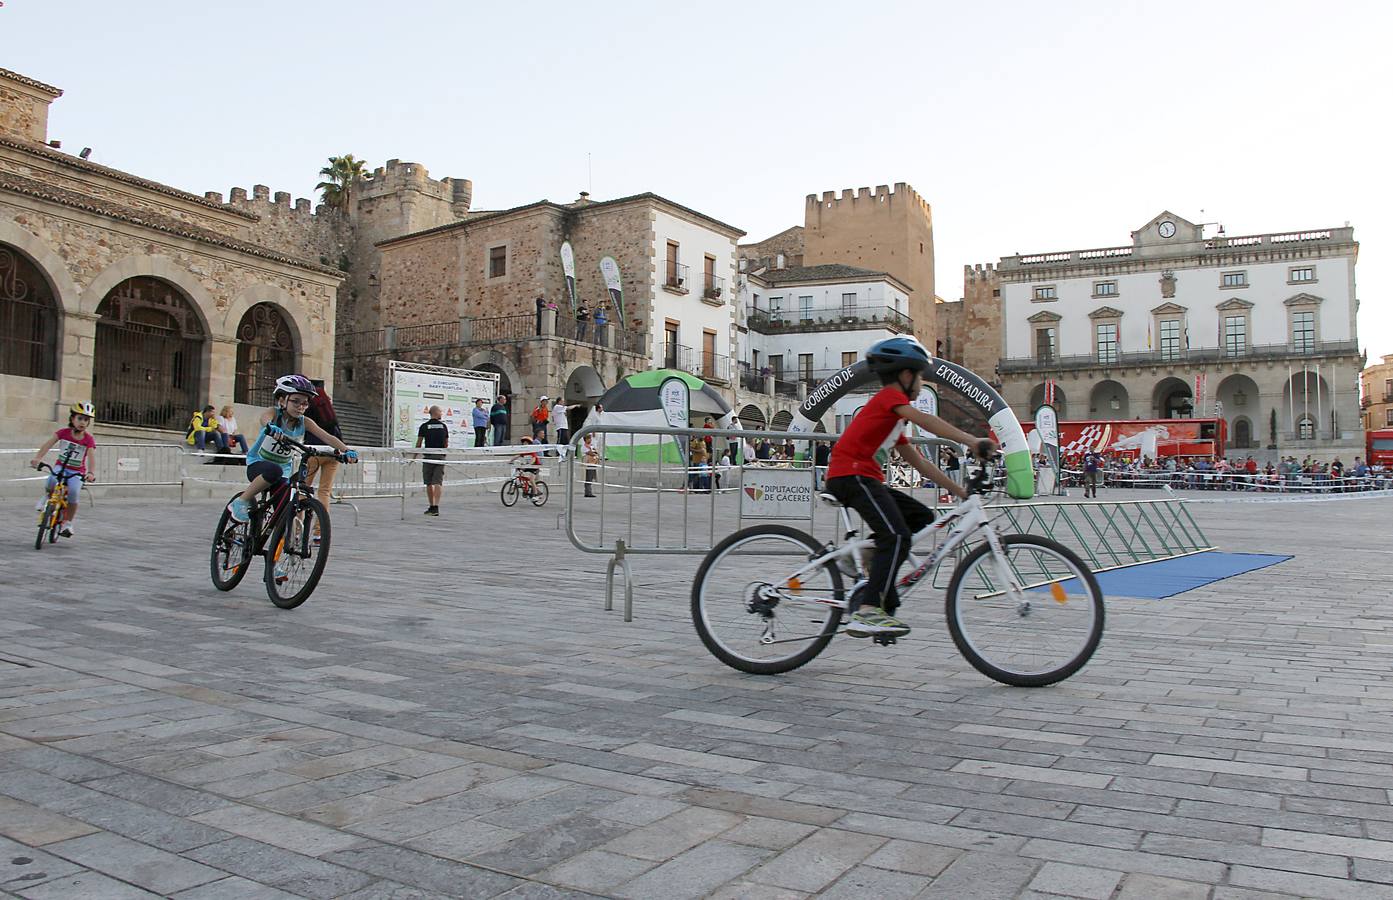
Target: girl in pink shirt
(75,447)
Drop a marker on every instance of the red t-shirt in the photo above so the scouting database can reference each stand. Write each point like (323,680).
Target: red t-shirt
(874,428)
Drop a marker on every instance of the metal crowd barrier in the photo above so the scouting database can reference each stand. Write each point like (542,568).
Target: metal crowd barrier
(630,495)
(1295,483)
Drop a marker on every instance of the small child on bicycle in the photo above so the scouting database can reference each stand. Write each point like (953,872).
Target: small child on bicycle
(529,466)
(856,479)
(269,459)
(75,445)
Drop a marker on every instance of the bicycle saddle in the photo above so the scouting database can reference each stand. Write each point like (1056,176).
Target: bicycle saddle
(828,499)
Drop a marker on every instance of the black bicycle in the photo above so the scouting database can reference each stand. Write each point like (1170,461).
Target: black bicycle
(287,526)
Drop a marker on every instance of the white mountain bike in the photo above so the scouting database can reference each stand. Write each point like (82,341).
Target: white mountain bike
(1023,609)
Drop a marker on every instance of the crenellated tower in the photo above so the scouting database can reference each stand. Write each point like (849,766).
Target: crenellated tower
(981,320)
(885,230)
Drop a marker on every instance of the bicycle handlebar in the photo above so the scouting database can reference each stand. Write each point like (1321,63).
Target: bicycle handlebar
(306,449)
(86,476)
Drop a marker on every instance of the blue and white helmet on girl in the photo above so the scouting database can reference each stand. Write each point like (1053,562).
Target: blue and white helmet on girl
(294,384)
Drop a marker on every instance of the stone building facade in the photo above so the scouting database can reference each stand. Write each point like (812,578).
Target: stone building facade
(1258,329)
(455,289)
(147,300)
(885,231)
(1376,395)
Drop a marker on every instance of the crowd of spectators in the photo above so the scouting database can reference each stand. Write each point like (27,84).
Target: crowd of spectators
(1234,473)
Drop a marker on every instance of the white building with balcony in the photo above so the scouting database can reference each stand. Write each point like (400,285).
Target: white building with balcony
(694,305)
(1263,325)
(797,325)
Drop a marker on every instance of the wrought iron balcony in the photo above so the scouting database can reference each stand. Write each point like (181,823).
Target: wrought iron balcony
(827,318)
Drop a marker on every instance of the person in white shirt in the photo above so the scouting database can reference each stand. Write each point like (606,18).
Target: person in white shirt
(227,424)
(560,423)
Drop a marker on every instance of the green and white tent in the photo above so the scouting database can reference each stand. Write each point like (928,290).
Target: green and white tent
(662,398)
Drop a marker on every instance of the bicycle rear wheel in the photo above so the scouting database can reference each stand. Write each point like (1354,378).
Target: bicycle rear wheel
(509,492)
(47,523)
(750,617)
(539,493)
(297,557)
(1030,618)
(231,556)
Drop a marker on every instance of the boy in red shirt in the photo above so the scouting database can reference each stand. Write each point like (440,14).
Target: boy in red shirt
(856,479)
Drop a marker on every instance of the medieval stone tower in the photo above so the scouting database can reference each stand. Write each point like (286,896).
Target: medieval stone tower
(888,231)
(981,320)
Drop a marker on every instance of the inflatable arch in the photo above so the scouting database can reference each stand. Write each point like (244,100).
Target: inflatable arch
(945,376)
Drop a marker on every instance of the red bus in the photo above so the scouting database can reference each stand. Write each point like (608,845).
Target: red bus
(1378,446)
(1133,438)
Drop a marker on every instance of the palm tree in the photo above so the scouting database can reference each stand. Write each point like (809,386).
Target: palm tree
(342,173)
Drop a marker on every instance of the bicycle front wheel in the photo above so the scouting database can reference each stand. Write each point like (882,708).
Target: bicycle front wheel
(299,551)
(231,557)
(48,522)
(509,493)
(539,493)
(1029,617)
(755,619)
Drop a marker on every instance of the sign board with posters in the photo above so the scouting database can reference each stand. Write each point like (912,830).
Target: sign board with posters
(776,493)
(677,402)
(413,388)
(1047,427)
(926,402)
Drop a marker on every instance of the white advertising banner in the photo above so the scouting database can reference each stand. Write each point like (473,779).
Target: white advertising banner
(776,493)
(677,402)
(926,402)
(414,392)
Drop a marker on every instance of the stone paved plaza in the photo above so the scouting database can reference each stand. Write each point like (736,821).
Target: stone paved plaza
(454,714)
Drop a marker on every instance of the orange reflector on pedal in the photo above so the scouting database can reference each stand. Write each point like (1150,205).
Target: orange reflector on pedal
(1057,592)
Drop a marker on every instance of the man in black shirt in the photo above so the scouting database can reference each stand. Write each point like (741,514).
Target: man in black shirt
(434,435)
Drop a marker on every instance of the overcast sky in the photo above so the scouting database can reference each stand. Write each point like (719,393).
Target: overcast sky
(1028,126)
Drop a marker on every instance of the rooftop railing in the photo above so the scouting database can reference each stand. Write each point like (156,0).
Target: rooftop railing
(826,318)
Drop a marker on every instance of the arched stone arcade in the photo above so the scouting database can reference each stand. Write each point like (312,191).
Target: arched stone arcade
(266,349)
(149,355)
(29,318)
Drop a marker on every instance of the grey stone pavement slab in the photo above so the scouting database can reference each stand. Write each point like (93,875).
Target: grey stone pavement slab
(454,714)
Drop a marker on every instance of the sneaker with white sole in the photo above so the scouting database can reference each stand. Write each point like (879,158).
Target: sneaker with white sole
(39,507)
(869,621)
(66,529)
(239,510)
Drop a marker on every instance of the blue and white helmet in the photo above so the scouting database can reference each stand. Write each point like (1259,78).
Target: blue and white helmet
(897,353)
(294,384)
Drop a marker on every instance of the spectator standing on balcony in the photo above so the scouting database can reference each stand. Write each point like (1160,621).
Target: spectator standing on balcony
(582,321)
(498,418)
(601,320)
(541,305)
(540,417)
(479,418)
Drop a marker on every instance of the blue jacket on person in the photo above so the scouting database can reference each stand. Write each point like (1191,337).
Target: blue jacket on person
(479,416)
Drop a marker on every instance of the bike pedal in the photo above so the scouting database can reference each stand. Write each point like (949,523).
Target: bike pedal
(884,640)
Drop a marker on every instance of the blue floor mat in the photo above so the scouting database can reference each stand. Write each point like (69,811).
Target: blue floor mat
(1158,580)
